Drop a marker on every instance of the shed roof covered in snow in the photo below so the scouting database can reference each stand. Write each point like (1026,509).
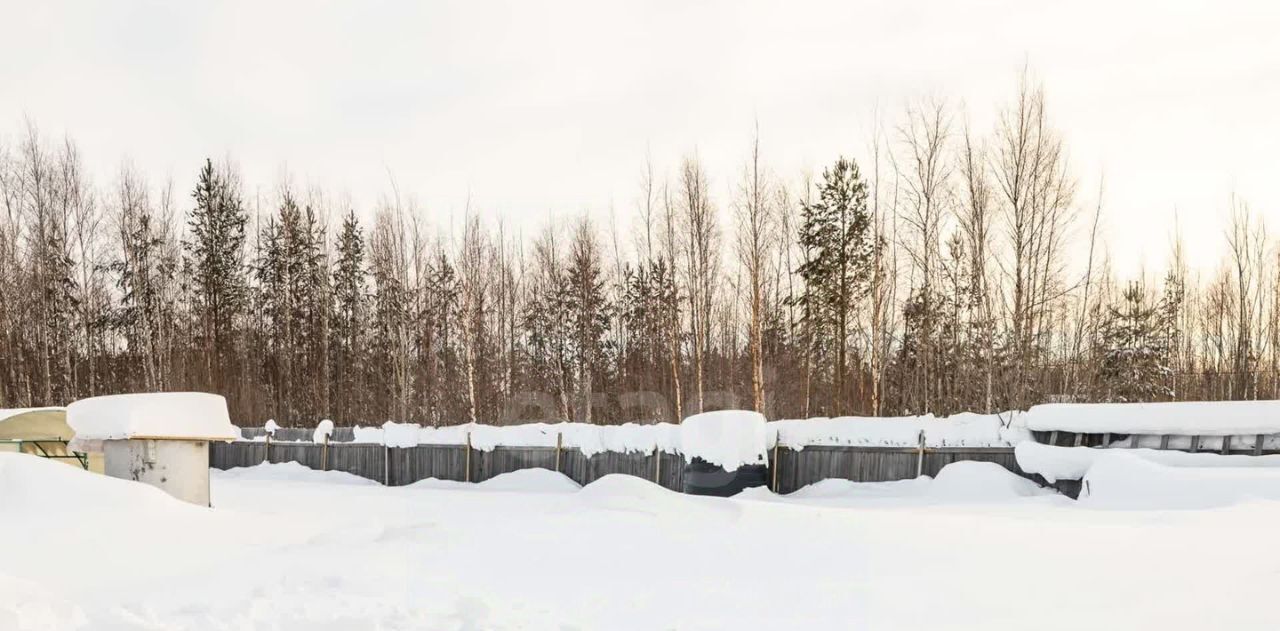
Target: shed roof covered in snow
(166,415)
(1188,418)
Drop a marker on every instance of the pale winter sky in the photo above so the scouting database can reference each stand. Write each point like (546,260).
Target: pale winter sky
(532,108)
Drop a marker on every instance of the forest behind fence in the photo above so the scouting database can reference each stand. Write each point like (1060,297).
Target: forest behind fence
(943,268)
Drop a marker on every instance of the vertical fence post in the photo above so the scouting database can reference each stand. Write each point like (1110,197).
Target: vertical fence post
(467,474)
(657,465)
(266,457)
(386,466)
(920,454)
(324,454)
(559,445)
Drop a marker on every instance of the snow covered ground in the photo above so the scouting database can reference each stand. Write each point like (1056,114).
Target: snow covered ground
(290,548)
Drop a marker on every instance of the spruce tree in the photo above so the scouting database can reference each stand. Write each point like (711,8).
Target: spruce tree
(213,253)
(836,231)
(1135,352)
(350,298)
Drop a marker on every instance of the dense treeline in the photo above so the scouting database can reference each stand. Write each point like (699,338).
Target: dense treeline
(946,270)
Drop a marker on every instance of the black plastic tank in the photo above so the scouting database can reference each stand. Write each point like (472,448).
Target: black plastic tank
(703,478)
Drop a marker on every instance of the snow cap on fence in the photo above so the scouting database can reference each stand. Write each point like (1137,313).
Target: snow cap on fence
(400,434)
(323,430)
(959,430)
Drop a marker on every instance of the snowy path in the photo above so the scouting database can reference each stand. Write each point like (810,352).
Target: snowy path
(320,552)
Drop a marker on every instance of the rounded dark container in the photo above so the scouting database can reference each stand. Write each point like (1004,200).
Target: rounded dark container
(703,478)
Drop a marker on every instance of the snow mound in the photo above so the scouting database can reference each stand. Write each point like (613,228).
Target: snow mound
(1205,418)
(271,426)
(757,493)
(1055,463)
(728,438)
(1122,480)
(840,489)
(970,480)
(289,472)
(531,481)
(621,485)
(622,493)
(536,480)
(195,415)
(30,484)
(440,485)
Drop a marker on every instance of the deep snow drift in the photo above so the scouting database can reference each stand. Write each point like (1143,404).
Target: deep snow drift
(1055,463)
(289,550)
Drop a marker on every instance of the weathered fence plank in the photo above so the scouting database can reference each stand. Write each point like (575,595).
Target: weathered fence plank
(792,469)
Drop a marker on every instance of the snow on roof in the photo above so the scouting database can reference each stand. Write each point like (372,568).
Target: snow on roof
(1204,418)
(189,415)
(728,438)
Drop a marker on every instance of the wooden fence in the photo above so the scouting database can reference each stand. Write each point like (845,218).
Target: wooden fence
(790,469)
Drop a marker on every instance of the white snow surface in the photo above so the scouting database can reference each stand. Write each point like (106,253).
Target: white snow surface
(324,429)
(533,480)
(590,439)
(157,414)
(400,434)
(970,480)
(1204,418)
(1071,463)
(728,438)
(620,554)
(840,489)
(271,426)
(958,482)
(1118,479)
(289,472)
(959,430)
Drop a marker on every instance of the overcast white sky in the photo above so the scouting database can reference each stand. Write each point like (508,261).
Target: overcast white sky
(534,108)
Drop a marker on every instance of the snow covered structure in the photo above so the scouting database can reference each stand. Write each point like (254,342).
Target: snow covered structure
(42,432)
(725,452)
(1071,438)
(160,439)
